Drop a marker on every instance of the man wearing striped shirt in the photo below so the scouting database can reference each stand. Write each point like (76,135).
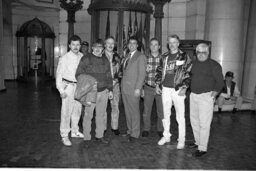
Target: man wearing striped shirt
(153,61)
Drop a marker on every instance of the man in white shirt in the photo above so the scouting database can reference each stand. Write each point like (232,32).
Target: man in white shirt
(66,85)
(230,94)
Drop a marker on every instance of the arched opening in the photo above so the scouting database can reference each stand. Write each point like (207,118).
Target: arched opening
(35,51)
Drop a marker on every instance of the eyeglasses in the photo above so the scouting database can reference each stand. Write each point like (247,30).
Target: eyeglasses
(201,52)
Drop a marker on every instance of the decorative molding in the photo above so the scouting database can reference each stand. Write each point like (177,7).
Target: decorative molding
(46,1)
(71,6)
(120,5)
(159,4)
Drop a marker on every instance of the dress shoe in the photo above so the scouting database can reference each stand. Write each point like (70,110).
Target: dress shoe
(131,139)
(193,145)
(234,110)
(102,140)
(86,143)
(220,110)
(125,135)
(115,131)
(160,134)
(199,153)
(145,134)
(66,141)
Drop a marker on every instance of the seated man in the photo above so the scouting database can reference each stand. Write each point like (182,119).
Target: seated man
(230,94)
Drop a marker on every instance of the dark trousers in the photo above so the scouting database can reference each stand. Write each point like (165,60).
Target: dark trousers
(132,114)
(149,97)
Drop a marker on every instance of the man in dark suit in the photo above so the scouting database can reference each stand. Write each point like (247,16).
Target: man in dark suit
(134,72)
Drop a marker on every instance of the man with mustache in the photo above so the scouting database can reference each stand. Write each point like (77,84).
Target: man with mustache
(114,60)
(66,84)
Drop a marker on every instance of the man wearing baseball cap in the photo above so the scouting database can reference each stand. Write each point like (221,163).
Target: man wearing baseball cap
(230,94)
(84,48)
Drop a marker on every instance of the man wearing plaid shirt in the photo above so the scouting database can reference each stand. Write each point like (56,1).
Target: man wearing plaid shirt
(153,61)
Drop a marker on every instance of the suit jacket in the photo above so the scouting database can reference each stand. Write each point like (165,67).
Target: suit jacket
(134,74)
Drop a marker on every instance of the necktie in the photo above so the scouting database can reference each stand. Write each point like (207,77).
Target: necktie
(127,60)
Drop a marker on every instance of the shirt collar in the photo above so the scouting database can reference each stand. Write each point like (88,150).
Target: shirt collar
(132,53)
(158,56)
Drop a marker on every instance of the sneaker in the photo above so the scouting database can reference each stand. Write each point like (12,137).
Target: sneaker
(77,135)
(115,131)
(180,146)
(163,140)
(66,141)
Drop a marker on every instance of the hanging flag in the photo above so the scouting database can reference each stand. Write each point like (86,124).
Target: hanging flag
(117,31)
(135,29)
(107,27)
(129,33)
(144,36)
(140,34)
(124,40)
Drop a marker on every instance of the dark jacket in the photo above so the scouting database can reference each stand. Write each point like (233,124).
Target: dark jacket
(225,90)
(84,90)
(183,67)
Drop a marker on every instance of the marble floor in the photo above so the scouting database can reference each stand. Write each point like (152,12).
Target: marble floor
(29,124)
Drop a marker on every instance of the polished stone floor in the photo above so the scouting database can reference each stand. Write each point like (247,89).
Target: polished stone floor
(29,124)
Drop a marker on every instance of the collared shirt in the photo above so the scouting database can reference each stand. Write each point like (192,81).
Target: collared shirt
(67,69)
(152,64)
(109,55)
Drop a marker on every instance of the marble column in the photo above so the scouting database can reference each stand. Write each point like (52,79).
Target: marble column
(159,14)
(224,26)
(2,75)
(249,78)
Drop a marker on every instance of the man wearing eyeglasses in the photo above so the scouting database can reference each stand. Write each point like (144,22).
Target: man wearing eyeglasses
(96,65)
(172,81)
(206,83)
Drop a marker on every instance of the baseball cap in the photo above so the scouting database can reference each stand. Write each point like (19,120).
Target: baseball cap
(229,74)
(85,43)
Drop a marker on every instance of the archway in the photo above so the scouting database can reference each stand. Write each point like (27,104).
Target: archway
(35,51)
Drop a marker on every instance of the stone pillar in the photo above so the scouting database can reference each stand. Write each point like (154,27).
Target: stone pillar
(225,28)
(159,14)
(71,7)
(2,75)
(249,79)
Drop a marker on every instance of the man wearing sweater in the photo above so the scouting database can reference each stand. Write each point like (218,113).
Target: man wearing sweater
(96,65)
(206,83)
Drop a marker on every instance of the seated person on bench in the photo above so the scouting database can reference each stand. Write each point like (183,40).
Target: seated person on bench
(230,94)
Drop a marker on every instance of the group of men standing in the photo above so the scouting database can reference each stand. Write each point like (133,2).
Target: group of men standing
(164,78)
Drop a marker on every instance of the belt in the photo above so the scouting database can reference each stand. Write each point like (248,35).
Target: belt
(68,81)
(149,85)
